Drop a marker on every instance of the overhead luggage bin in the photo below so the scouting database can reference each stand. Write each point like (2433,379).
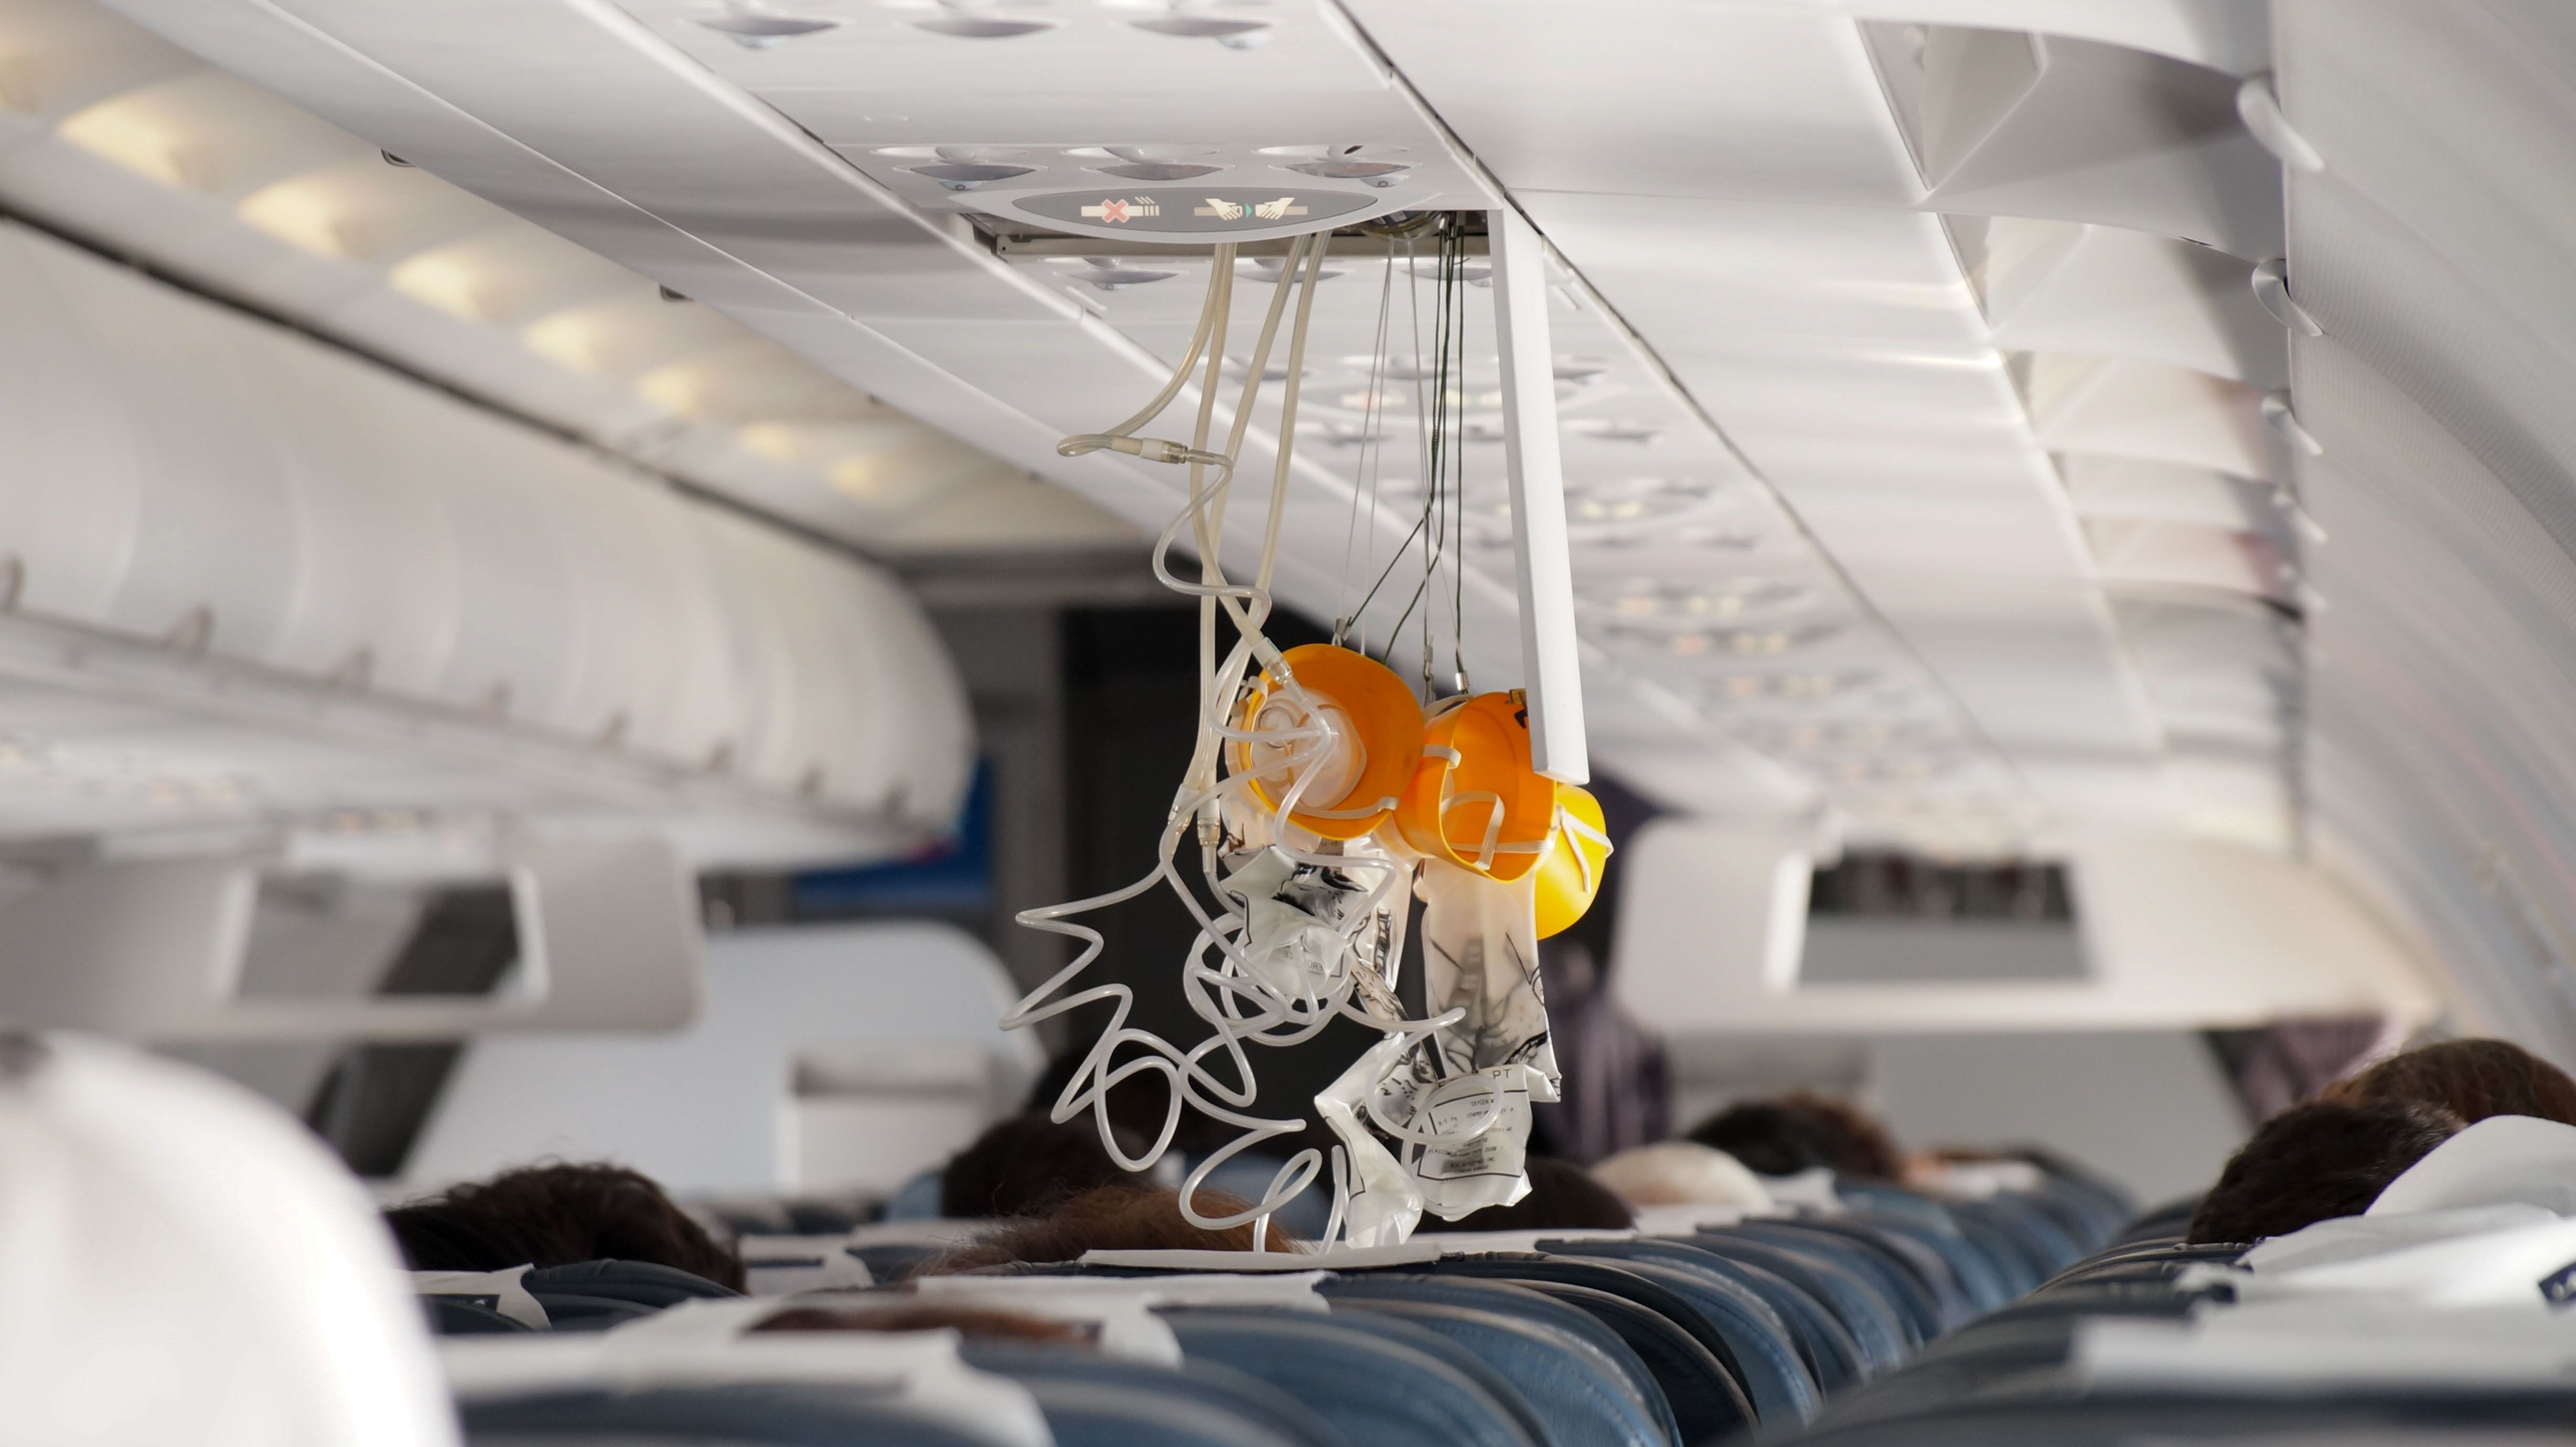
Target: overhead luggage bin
(2174,934)
(228,529)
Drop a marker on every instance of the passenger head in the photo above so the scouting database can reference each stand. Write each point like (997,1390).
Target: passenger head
(975,1323)
(1027,1165)
(2472,1079)
(1786,1134)
(2315,1162)
(1562,1197)
(1107,1218)
(555,1215)
(1682,1173)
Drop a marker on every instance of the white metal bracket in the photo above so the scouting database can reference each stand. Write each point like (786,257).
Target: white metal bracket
(1542,567)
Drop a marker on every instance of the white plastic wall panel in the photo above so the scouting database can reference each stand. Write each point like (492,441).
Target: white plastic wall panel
(2106,291)
(2432,250)
(2006,123)
(2445,684)
(2118,407)
(2229,35)
(2132,487)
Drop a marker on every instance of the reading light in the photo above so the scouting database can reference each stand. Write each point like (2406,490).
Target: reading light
(303,212)
(443,279)
(129,132)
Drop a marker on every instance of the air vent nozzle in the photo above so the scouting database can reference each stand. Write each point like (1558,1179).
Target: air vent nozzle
(967,175)
(979,27)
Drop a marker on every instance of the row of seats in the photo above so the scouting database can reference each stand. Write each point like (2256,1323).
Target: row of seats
(2025,1375)
(1609,1339)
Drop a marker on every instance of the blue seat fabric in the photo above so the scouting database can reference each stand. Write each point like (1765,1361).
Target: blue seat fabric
(1372,1388)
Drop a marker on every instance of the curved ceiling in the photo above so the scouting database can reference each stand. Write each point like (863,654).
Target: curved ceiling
(1942,348)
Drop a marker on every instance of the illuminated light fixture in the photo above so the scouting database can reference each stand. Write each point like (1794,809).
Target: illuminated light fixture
(447,282)
(1848,737)
(1649,600)
(127,132)
(305,214)
(861,476)
(680,389)
(568,339)
(1789,687)
(1737,642)
(772,442)
(754,28)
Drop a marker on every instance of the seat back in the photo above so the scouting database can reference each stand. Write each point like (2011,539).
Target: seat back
(1676,1342)
(1853,1301)
(1473,1354)
(1915,1308)
(809,1416)
(1207,1382)
(464,1316)
(644,1283)
(1766,1352)
(1579,1398)
(1373,1389)
(1083,1413)
(1636,1384)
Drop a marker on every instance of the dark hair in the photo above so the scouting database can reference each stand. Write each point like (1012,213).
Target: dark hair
(973,1322)
(1562,1196)
(2473,1079)
(2315,1162)
(1027,1165)
(1108,1218)
(555,1215)
(1786,1134)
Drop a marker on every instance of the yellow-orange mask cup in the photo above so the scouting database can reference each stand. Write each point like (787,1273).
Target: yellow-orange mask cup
(1475,801)
(1569,874)
(1373,754)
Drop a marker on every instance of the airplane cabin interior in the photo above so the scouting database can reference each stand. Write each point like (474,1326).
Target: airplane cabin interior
(1287,723)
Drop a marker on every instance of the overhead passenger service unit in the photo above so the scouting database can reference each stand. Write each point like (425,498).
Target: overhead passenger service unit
(1323,794)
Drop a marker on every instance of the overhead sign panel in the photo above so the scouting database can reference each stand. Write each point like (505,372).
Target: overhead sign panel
(1230,213)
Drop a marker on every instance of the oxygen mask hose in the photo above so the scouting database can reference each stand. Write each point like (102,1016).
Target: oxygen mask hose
(1296,927)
